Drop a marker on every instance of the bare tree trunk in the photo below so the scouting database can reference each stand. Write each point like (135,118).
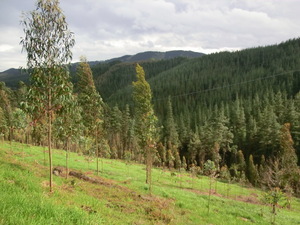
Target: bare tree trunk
(149,168)
(49,137)
(67,157)
(97,149)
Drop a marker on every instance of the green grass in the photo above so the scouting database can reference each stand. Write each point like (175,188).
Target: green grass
(124,197)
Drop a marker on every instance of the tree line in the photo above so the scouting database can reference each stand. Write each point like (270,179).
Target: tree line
(239,111)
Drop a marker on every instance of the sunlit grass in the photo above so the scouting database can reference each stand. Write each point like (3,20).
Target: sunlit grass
(177,198)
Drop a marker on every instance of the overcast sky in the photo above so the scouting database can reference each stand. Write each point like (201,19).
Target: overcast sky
(110,28)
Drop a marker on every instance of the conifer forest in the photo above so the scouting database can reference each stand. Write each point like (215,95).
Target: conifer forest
(237,113)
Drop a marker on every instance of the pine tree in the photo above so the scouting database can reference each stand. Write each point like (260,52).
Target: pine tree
(241,163)
(252,171)
(195,150)
(161,150)
(238,121)
(171,134)
(288,158)
(115,128)
(268,131)
(145,118)
(91,103)
(183,163)
(222,136)
(125,127)
(88,98)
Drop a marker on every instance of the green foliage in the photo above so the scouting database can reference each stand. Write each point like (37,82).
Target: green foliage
(88,98)
(48,44)
(273,198)
(170,131)
(23,193)
(144,114)
(145,120)
(3,123)
(209,168)
(252,172)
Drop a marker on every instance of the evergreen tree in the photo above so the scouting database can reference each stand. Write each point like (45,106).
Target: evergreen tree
(288,158)
(5,104)
(222,136)
(241,163)
(125,127)
(145,118)
(195,150)
(171,135)
(238,122)
(3,124)
(48,44)
(88,98)
(115,128)
(19,123)
(91,103)
(161,150)
(268,132)
(252,172)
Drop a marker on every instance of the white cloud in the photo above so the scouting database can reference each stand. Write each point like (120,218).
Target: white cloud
(106,29)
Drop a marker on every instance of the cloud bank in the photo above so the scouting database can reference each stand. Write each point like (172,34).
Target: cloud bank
(107,29)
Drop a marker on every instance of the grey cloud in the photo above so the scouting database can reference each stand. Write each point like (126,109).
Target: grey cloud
(105,29)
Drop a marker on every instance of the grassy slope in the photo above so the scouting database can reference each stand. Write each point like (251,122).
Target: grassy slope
(122,198)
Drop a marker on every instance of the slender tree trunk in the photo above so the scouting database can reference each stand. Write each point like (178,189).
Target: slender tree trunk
(97,149)
(50,136)
(10,137)
(149,168)
(44,150)
(209,194)
(67,157)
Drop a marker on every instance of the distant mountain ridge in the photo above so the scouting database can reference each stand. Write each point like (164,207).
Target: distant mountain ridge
(155,55)
(12,76)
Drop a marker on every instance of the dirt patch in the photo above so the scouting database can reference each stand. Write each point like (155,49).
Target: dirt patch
(249,199)
(125,200)
(46,183)
(252,198)
(89,209)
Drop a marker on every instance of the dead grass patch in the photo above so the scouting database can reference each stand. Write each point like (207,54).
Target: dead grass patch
(252,198)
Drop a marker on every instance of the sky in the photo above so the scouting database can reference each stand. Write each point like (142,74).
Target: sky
(106,29)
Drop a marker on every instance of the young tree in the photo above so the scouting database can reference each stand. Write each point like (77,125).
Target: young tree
(19,122)
(241,163)
(69,126)
(5,104)
(222,136)
(170,131)
(145,118)
(3,124)
(268,131)
(210,170)
(252,171)
(91,102)
(125,127)
(88,97)
(48,44)
(288,158)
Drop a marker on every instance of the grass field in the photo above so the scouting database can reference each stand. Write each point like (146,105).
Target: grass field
(121,195)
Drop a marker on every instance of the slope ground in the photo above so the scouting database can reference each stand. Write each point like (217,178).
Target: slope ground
(119,195)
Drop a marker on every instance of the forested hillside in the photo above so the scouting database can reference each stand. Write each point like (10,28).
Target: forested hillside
(220,104)
(233,117)
(240,110)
